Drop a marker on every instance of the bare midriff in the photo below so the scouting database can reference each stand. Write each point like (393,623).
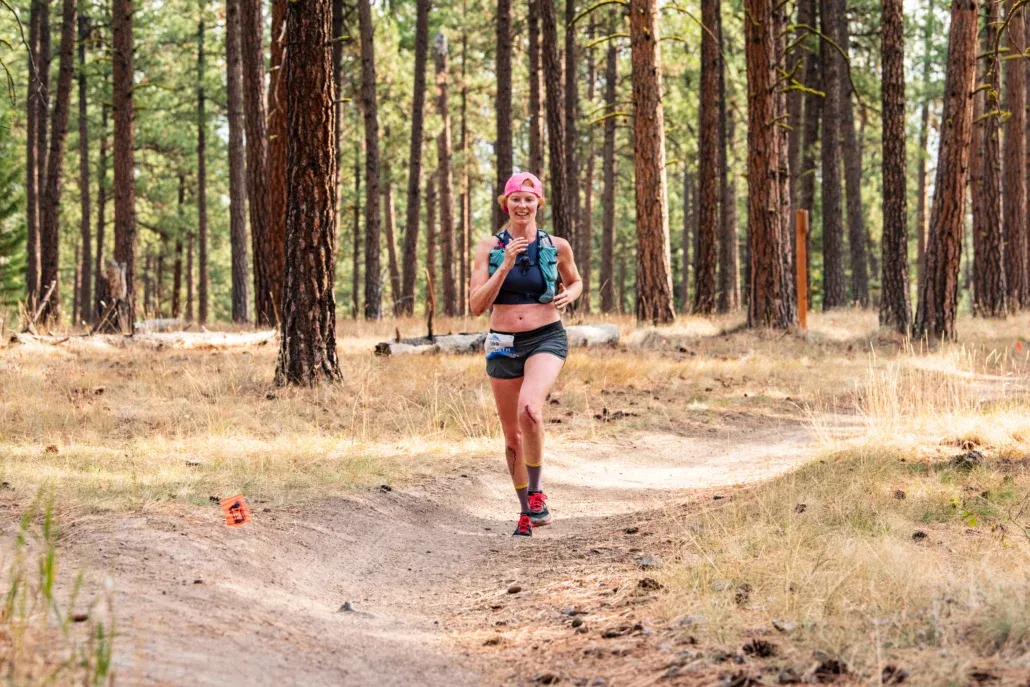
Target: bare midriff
(523,317)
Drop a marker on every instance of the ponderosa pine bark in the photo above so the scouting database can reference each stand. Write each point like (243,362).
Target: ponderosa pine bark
(812,110)
(571,111)
(432,283)
(177,267)
(536,124)
(202,285)
(411,227)
(706,258)
(370,108)
(607,272)
(769,300)
(989,290)
(100,293)
(49,225)
(834,283)
(389,224)
(560,211)
(729,253)
(585,233)
(307,353)
(503,144)
(32,155)
(465,211)
(356,237)
(237,164)
(443,150)
(85,278)
(924,136)
(895,311)
(266,251)
(1014,197)
(852,153)
(654,273)
(275,153)
(938,299)
(190,240)
(686,240)
(124,155)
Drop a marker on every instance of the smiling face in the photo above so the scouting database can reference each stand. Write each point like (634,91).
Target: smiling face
(522,206)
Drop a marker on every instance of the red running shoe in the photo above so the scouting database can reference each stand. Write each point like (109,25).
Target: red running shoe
(524,528)
(538,513)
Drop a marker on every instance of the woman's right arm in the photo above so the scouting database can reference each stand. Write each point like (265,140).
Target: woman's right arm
(484,287)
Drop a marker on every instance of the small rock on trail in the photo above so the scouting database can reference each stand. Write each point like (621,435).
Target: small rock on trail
(649,562)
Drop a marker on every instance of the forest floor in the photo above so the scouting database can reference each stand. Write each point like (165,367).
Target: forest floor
(730,508)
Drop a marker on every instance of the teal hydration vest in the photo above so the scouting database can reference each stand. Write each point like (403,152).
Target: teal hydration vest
(546,260)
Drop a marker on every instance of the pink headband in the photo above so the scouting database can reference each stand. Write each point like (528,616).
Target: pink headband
(517,183)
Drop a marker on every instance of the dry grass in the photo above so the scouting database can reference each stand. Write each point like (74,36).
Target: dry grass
(884,552)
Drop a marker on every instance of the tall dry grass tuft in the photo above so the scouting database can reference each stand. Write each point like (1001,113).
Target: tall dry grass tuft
(42,640)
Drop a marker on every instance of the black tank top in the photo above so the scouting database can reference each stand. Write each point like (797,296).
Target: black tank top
(524,283)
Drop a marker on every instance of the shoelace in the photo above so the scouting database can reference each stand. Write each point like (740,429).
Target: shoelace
(524,524)
(537,501)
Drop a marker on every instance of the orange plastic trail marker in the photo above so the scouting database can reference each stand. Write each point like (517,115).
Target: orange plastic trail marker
(801,222)
(236,511)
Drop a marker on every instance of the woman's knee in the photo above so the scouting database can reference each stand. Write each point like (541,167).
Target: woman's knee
(530,414)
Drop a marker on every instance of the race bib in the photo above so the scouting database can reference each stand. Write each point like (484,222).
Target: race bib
(499,346)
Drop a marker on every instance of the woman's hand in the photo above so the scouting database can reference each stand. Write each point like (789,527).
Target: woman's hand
(512,250)
(562,300)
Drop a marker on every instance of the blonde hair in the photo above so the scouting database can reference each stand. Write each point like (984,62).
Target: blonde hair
(502,200)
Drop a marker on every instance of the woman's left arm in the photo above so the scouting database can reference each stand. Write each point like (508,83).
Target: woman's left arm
(571,281)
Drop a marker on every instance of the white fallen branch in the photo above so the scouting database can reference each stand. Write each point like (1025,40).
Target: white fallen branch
(580,336)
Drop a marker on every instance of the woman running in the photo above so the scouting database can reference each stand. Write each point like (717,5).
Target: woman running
(526,278)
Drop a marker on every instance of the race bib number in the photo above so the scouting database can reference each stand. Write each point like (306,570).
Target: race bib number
(499,346)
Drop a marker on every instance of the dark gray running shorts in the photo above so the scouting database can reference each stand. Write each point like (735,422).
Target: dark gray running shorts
(551,338)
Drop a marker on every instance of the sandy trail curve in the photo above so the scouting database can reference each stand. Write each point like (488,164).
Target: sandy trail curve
(199,604)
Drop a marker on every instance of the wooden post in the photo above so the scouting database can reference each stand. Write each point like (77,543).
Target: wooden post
(801,222)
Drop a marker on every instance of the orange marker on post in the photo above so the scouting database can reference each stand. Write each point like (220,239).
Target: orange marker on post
(236,511)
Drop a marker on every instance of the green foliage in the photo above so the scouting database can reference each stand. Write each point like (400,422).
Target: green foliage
(12,216)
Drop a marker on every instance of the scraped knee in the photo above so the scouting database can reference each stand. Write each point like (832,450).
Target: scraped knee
(530,416)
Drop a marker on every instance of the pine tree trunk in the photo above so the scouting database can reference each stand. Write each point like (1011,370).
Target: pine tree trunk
(465,211)
(202,172)
(585,234)
(654,278)
(432,283)
(503,104)
(1014,197)
(100,293)
(607,272)
(411,227)
(177,267)
(686,239)
(813,109)
(768,304)
(85,277)
(729,250)
(990,289)
(706,258)
(834,285)
(77,285)
(895,311)
(370,108)
(266,251)
(924,137)
(49,226)
(571,111)
(536,126)
(189,276)
(124,156)
(389,223)
(339,10)
(443,149)
(938,299)
(307,354)
(561,213)
(356,218)
(237,165)
(729,257)
(789,305)
(275,162)
(42,151)
(976,185)
(852,154)
(32,156)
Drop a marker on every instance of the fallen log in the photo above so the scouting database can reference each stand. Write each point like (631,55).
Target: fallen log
(580,336)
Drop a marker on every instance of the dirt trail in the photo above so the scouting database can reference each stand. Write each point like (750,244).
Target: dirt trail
(200,604)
